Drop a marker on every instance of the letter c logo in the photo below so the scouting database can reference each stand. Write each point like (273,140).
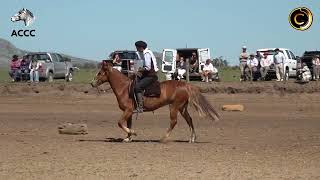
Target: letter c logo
(301,18)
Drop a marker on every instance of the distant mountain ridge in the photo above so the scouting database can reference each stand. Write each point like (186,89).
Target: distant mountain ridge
(7,50)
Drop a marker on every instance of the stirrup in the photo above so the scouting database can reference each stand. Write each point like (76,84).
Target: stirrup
(138,110)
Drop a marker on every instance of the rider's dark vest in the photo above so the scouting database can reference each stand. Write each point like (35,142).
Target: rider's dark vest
(151,72)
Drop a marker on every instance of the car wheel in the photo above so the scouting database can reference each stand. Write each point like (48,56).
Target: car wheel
(50,77)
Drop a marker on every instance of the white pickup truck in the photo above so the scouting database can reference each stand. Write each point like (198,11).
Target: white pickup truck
(169,59)
(290,63)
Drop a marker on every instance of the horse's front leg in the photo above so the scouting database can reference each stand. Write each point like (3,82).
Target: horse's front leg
(129,125)
(126,116)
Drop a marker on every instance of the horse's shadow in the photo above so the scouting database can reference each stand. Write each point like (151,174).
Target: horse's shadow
(120,140)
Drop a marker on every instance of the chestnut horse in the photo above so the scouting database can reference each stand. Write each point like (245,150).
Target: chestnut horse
(176,94)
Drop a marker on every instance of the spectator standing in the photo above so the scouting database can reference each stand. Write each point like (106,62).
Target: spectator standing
(207,71)
(265,64)
(14,68)
(243,62)
(316,67)
(279,64)
(34,70)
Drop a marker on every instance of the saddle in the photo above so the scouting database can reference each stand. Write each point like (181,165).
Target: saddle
(153,90)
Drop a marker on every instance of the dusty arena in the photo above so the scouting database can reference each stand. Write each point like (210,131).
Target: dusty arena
(276,137)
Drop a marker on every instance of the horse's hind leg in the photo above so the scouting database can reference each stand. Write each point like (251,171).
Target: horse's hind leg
(185,114)
(173,122)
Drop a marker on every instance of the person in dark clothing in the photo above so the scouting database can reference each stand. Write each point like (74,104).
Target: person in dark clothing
(147,74)
(194,63)
(24,68)
(14,68)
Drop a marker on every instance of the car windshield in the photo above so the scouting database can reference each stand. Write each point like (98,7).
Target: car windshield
(311,53)
(125,55)
(39,57)
(269,52)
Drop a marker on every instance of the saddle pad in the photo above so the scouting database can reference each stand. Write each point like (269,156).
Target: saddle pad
(153,90)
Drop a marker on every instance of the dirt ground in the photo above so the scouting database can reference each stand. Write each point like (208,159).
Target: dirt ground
(276,137)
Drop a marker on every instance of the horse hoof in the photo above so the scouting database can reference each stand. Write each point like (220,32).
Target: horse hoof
(192,141)
(164,140)
(132,133)
(127,140)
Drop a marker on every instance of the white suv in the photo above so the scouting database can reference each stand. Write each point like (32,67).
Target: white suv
(290,63)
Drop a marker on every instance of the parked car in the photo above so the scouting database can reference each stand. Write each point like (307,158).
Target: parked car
(307,58)
(170,56)
(127,57)
(53,66)
(290,64)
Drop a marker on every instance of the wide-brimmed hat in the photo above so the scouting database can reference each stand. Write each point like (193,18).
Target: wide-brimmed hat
(244,47)
(252,54)
(141,44)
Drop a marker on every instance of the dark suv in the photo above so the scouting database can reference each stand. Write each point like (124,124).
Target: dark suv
(127,60)
(307,58)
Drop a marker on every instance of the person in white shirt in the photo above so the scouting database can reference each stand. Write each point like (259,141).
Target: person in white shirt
(316,67)
(265,64)
(117,62)
(146,74)
(252,67)
(279,59)
(34,70)
(208,71)
(181,68)
(306,73)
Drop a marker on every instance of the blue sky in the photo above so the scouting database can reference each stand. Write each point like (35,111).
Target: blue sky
(92,29)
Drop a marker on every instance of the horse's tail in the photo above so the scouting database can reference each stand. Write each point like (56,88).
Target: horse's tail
(202,105)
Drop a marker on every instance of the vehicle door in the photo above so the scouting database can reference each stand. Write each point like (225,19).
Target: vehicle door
(169,60)
(203,54)
(291,62)
(59,65)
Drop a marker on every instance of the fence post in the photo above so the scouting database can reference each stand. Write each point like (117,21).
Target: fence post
(187,70)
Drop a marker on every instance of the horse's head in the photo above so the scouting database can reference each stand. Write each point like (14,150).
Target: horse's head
(103,75)
(23,15)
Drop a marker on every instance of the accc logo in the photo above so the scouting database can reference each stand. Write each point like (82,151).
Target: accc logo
(27,17)
(22,33)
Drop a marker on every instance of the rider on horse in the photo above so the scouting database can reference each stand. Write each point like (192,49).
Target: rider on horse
(146,75)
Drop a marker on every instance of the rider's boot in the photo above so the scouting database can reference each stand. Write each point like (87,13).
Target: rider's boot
(139,108)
